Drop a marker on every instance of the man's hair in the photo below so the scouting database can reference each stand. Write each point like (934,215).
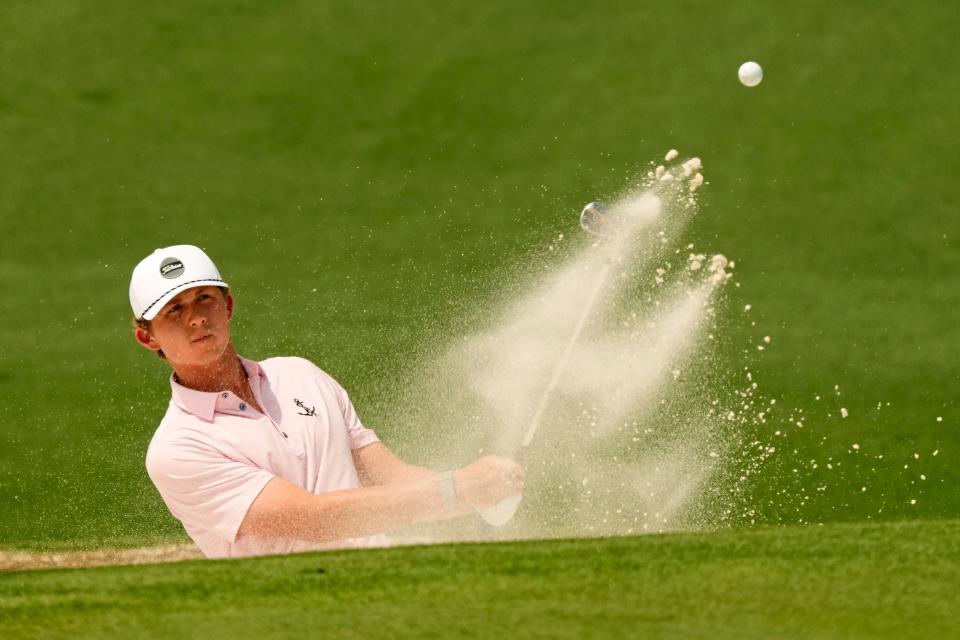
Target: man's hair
(147,325)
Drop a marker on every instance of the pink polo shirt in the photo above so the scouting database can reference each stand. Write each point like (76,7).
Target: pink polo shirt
(213,454)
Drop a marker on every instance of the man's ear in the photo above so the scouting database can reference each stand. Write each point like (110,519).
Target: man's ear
(145,339)
(229,306)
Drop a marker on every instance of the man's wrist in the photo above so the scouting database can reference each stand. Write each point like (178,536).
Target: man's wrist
(448,489)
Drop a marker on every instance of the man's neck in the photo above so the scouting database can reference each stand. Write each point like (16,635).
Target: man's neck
(226,373)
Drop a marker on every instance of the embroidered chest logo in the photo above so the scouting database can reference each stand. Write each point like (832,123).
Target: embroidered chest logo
(304,410)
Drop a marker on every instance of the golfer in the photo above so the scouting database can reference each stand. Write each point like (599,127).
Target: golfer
(270,457)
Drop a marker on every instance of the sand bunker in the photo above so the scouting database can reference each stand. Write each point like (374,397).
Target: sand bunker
(22,560)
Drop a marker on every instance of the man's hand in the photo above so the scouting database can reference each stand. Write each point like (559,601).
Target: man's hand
(488,481)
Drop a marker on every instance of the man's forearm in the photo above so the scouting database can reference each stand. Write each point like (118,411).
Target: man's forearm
(376,464)
(283,510)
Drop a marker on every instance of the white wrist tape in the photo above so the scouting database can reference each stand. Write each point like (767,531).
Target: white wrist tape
(448,490)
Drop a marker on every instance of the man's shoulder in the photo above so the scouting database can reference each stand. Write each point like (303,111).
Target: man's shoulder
(279,365)
(177,428)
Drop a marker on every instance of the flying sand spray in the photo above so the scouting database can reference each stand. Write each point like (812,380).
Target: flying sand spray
(592,374)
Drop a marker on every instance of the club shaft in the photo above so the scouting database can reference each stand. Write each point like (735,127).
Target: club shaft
(562,363)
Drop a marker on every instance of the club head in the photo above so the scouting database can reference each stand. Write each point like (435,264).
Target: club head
(594,220)
(501,513)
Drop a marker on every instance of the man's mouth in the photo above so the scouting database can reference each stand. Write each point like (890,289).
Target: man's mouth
(203,337)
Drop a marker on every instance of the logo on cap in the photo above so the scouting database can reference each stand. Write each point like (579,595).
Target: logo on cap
(171,268)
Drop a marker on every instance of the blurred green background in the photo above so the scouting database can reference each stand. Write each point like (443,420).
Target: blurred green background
(362,172)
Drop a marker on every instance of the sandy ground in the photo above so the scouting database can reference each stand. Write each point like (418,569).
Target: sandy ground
(25,560)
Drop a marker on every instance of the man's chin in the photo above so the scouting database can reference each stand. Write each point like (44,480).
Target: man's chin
(204,353)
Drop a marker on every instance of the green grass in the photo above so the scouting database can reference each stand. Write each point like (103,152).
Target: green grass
(891,580)
(363,174)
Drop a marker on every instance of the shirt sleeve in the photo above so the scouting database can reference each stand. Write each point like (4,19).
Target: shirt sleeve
(204,488)
(359,435)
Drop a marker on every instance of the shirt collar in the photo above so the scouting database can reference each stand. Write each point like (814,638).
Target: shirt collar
(204,404)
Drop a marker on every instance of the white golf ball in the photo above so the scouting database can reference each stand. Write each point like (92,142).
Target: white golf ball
(750,74)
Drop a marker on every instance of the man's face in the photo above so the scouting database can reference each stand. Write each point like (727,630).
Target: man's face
(193,328)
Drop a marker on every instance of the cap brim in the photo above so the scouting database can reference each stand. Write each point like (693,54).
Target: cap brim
(155,307)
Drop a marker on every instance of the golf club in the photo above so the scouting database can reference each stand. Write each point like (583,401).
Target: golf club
(593,220)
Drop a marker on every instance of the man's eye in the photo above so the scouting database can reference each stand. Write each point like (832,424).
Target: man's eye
(174,309)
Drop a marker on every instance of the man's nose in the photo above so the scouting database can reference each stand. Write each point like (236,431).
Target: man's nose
(196,317)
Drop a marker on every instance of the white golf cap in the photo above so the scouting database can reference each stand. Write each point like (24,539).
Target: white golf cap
(165,273)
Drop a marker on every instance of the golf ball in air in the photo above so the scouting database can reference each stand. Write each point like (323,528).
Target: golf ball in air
(750,74)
